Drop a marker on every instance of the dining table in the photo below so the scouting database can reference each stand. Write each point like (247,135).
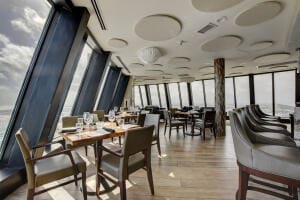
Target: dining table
(93,135)
(190,114)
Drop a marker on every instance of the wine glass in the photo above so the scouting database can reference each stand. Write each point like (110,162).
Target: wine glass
(116,109)
(111,116)
(86,116)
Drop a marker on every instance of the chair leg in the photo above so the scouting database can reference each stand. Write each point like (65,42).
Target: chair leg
(122,185)
(203,133)
(243,184)
(86,150)
(120,143)
(150,179)
(295,192)
(215,132)
(30,194)
(95,151)
(165,129)
(183,129)
(98,181)
(158,146)
(76,180)
(84,185)
(170,129)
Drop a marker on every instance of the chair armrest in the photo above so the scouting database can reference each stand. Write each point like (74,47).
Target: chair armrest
(111,152)
(46,144)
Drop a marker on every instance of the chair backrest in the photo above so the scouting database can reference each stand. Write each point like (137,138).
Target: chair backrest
(26,149)
(153,119)
(242,144)
(69,121)
(209,116)
(173,111)
(144,111)
(141,119)
(100,114)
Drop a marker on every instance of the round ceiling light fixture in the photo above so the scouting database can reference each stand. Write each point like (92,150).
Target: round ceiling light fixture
(149,55)
(117,43)
(270,58)
(214,5)
(222,43)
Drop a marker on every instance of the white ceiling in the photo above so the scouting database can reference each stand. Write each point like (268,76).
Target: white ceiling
(126,23)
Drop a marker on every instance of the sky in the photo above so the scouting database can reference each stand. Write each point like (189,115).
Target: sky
(22,22)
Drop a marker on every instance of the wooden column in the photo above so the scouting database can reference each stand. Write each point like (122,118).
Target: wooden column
(219,64)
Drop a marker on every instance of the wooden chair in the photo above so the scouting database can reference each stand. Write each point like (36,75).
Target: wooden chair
(49,168)
(208,121)
(70,121)
(172,123)
(135,155)
(153,119)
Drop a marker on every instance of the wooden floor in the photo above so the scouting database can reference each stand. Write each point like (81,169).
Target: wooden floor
(190,168)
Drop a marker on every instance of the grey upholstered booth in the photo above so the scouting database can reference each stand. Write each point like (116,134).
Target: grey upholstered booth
(273,162)
(49,168)
(135,155)
(264,115)
(153,119)
(264,137)
(172,123)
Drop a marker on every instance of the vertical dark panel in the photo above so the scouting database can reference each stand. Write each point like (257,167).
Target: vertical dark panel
(204,93)
(89,87)
(190,93)
(49,77)
(220,96)
(273,95)
(234,91)
(251,85)
(148,94)
(168,95)
(297,89)
(120,91)
(109,88)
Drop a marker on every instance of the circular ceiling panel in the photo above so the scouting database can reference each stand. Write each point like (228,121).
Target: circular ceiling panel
(270,58)
(179,60)
(261,45)
(259,13)
(158,27)
(214,5)
(136,65)
(157,65)
(222,43)
(117,43)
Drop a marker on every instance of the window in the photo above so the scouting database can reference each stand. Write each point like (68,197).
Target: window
(210,92)
(162,94)
(242,91)
(229,94)
(284,86)
(197,93)
(154,95)
(77,79)
(184,94)
(144,95)
(23,22)
(137,96)
(174,95)
(263,92)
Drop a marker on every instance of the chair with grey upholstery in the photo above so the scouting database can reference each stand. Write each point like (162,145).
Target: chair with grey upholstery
(260,127)
(269,118)
(275,125)
(153,119)
(49,168)
(264,115)
(70,121)
(252,111)
(280,164)
(264,137)
(207,121)
(172,124)
(135,155)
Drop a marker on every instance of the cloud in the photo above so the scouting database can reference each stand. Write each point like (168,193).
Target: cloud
(30,22)
(14,59)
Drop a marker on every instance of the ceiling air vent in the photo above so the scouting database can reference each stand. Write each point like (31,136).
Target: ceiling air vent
(98,13)
(208,27)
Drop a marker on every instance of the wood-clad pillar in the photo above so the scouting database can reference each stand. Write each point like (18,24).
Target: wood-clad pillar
(219,64)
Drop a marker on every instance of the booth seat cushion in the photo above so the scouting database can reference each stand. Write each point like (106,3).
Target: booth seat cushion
(57,167)
(277,160)
(274,138)
(277,128)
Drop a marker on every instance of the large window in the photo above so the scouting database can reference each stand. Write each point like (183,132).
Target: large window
(144,95)
(154,95)
(137,96)
(210,92)
(263,92)
(162,94)
(174,95)
(77,79)
(184,94)
(197,93)
(242,91)
(284,85)
(22,23)
(229,94)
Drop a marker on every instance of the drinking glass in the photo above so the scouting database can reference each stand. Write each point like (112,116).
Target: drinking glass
(121,123)
(79,127)
(111,116)
(99,124)
(116,109)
